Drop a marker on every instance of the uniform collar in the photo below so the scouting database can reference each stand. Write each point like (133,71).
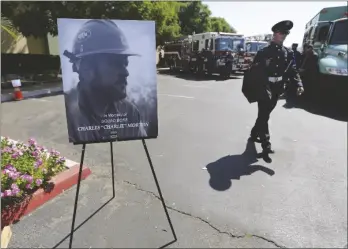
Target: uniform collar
(276,45)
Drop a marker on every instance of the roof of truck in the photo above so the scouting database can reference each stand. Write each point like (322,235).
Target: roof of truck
(329,14)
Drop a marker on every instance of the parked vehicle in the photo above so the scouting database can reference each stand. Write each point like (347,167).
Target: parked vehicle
(210,52)
(252,45)
(328,34)
(177,54)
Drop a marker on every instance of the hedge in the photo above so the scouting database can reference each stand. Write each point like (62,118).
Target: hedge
(21,64)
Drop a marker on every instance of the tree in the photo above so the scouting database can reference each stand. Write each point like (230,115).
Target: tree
(172,18)
(164,13)
(7,26)
(219,24)
(194,17)
(30,18)
(40,18)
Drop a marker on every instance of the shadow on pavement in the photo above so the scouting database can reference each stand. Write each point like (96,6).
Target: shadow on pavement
(229,168)
(84,222)
(192,76)
(91,216)
(330,109)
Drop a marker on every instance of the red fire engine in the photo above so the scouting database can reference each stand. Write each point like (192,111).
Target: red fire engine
(252,45)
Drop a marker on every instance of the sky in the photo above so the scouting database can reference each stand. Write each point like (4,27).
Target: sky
(252,18)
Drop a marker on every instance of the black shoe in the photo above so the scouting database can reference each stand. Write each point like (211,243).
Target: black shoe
(264,156)
(267,148)
(268,151)
(254,138)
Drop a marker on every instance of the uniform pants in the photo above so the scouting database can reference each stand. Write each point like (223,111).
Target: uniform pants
(265,107)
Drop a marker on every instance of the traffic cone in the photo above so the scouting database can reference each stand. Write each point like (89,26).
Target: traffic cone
(17,94)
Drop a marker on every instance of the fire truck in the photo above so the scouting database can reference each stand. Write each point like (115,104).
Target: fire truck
(210,52)
(177,54)
(252,45)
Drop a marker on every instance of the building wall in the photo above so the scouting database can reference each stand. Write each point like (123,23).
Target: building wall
(23,45)
(53,44)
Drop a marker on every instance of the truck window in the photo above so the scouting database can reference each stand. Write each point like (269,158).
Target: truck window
(206,43)
(323,33)
(339,33)
(195,46)
(311,34)
(253,47)
(248,47)
(211,44)
(187,48)
(305,38)
(316,32)
(318,29)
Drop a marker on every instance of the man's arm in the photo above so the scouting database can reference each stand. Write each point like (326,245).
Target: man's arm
(292,73)
(259,57)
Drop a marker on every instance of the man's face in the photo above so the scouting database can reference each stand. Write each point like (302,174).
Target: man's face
(280,36)
(294,47)
(107,71)
(309,50)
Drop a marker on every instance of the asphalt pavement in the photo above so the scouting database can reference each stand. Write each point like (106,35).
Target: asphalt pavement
(218,193)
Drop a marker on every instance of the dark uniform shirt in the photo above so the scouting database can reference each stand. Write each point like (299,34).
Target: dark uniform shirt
(84,126)
(281,62)
(298,58)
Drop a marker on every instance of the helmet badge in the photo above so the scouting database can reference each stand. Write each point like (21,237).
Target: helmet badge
(123,40)
(83,35)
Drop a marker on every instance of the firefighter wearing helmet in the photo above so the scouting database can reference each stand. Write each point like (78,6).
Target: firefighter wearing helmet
(97,108)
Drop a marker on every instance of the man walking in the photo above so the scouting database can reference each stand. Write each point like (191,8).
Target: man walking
(278,64)
(297,55)
(309,69)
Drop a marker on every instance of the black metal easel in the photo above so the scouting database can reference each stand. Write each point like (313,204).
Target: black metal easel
(113,190)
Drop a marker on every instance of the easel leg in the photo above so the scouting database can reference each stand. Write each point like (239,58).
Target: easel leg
(112,169)
(77,196)
(159,189)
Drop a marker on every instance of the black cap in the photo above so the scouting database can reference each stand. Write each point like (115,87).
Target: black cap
(295,44)
(283,26)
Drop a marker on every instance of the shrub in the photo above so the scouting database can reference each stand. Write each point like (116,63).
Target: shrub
(25,168)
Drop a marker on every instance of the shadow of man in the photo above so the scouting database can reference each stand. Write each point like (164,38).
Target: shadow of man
(233,167)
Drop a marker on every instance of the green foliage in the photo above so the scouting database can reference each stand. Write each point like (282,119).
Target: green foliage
(173,18)
(194,17)
(7,26)
(25,168)
(221,25)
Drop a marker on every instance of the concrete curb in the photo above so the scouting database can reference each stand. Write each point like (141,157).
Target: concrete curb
(8,85)
(33,94)
(60,183)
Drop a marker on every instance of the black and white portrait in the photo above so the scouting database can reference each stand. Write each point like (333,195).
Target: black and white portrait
(109,79)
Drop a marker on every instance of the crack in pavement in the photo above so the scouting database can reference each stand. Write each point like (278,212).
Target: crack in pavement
(204,221)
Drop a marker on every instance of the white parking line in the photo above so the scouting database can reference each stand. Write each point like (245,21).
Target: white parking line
(41,100)
(176,96)
(197,86)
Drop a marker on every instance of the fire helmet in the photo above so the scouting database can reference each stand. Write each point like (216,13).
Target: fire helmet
(100,36)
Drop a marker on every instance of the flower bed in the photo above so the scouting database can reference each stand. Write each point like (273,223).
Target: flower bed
(25,168)
(29,174)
